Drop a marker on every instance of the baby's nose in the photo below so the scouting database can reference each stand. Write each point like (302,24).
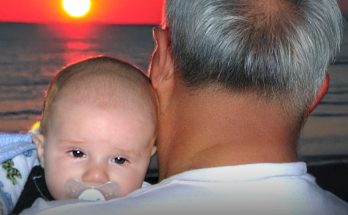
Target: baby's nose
(95,175)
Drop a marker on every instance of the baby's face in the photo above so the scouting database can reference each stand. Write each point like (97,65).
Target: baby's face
(96,144)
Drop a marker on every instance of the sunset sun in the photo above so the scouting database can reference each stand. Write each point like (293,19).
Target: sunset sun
(76,8)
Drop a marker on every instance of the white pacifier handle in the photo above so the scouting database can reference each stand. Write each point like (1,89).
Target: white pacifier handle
(78,190)
(91,195)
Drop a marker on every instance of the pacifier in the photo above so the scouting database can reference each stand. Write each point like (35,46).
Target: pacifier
(77,190)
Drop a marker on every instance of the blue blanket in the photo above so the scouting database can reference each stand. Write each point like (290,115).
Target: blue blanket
(17,157)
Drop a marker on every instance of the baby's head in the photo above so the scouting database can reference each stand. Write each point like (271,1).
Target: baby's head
(98,125)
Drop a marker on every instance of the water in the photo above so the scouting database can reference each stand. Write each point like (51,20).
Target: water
(32,54)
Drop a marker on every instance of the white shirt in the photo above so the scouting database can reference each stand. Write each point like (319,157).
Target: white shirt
(242,190)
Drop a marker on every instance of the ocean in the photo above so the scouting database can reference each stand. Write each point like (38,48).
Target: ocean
(32,53)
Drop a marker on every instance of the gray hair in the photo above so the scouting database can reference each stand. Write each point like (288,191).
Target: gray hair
(276,48)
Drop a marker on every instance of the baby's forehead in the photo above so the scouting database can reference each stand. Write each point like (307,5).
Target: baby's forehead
(105,87)
(104,78)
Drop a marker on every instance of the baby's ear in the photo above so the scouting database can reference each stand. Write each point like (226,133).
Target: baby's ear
(154,150)
(39,140)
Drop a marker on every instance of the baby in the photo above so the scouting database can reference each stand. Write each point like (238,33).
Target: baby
(97,131)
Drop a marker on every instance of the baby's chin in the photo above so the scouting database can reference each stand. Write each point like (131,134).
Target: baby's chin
(56,194)
(59,196)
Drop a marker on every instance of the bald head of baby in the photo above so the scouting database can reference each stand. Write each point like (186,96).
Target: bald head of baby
(102,82)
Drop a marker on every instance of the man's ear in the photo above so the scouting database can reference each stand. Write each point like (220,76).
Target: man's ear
(161,67)
(39,140)
(320,94)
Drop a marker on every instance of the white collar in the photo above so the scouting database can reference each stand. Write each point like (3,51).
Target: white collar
(242,172)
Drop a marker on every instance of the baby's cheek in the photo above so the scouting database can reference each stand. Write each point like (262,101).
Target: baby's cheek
(55,184)
(57,172)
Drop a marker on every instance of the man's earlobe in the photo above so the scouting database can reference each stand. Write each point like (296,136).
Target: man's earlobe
(39,141)
(320,94)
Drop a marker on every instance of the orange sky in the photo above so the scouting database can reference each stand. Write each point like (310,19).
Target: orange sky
(102,11)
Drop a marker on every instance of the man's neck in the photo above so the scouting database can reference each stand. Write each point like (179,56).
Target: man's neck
(214,128)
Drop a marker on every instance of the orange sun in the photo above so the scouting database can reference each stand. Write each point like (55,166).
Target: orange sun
(77,8)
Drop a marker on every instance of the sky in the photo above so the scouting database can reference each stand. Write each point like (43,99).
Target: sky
(102,11)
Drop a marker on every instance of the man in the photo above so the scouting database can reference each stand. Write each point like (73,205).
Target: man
(236,80)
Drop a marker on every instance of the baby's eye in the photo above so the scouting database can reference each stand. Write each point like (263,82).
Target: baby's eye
(119,160)
(77,153)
